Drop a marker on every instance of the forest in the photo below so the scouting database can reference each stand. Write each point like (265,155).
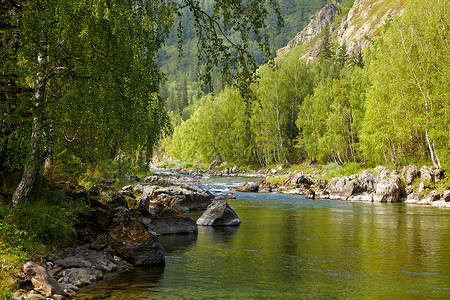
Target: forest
(389,106)
(94,89)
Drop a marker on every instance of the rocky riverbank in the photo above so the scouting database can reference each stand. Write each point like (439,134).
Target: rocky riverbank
(119,229)
(411,185)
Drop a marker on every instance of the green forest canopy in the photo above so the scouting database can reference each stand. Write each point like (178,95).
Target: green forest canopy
(81,78)
(393,109)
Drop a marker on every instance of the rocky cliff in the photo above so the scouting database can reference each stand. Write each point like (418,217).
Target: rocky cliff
(319,21)
(357,30)
(364,21)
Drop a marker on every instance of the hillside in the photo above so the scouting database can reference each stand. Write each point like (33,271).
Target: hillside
(357,27)
(337,107)
(181,72)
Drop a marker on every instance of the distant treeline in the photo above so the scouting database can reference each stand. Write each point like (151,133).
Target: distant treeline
(392,108)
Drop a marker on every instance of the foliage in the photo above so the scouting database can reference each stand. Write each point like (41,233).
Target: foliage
(44,224)
(333,169)
(340,109)
(409,117)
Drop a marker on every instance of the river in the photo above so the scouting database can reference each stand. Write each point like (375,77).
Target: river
(289,247)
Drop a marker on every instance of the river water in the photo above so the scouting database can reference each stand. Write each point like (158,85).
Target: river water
(289,247)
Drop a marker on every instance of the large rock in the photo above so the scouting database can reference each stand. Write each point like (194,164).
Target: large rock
(427,174)
(387,190)
(132,241)
(409,174)
(414,198)
(42,281)
(446,196)
(183,197)
(219,213)
(341,188)
(248,187)
(296,179)
(367,182)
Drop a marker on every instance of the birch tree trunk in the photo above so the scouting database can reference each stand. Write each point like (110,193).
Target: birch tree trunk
(35,156)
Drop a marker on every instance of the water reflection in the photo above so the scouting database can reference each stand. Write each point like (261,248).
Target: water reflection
(177,243)
(219,234)
(118,285)
(289,247)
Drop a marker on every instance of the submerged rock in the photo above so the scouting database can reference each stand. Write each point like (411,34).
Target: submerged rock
(219,213)
(174,224)
(81,276)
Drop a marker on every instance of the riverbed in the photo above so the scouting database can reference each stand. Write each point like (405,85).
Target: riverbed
(289,247)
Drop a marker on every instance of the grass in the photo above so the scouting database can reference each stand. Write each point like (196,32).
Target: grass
(333,169)
(44,224)
(276,179)
(182,165)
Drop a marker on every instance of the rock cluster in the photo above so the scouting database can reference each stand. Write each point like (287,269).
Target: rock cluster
(115,232)
(409,186)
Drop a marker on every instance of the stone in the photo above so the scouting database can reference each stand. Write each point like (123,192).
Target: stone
(219,213)
(156,207)
(296,179)
(133,177)
(409,174)
(367,182)
(363,197)
(421,187)
(132,241)
(143,203)
(32,295)
(427,174)
(439,174)
(98,260)
(413,198)
(248,187)
(104,181)
(73,262)
(265,189)
(387,190)
(41,280)
(340,188)
(114,200)
(100,243)
(446,196)
(183,197)
(235,169)
(82,276)
(310,194)
(225,196)
(433,196)
(441,204)
(69,287)
(380,169)
(174,224)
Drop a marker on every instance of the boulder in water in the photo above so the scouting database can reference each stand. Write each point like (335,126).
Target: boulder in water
(249,187)
(219,213)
